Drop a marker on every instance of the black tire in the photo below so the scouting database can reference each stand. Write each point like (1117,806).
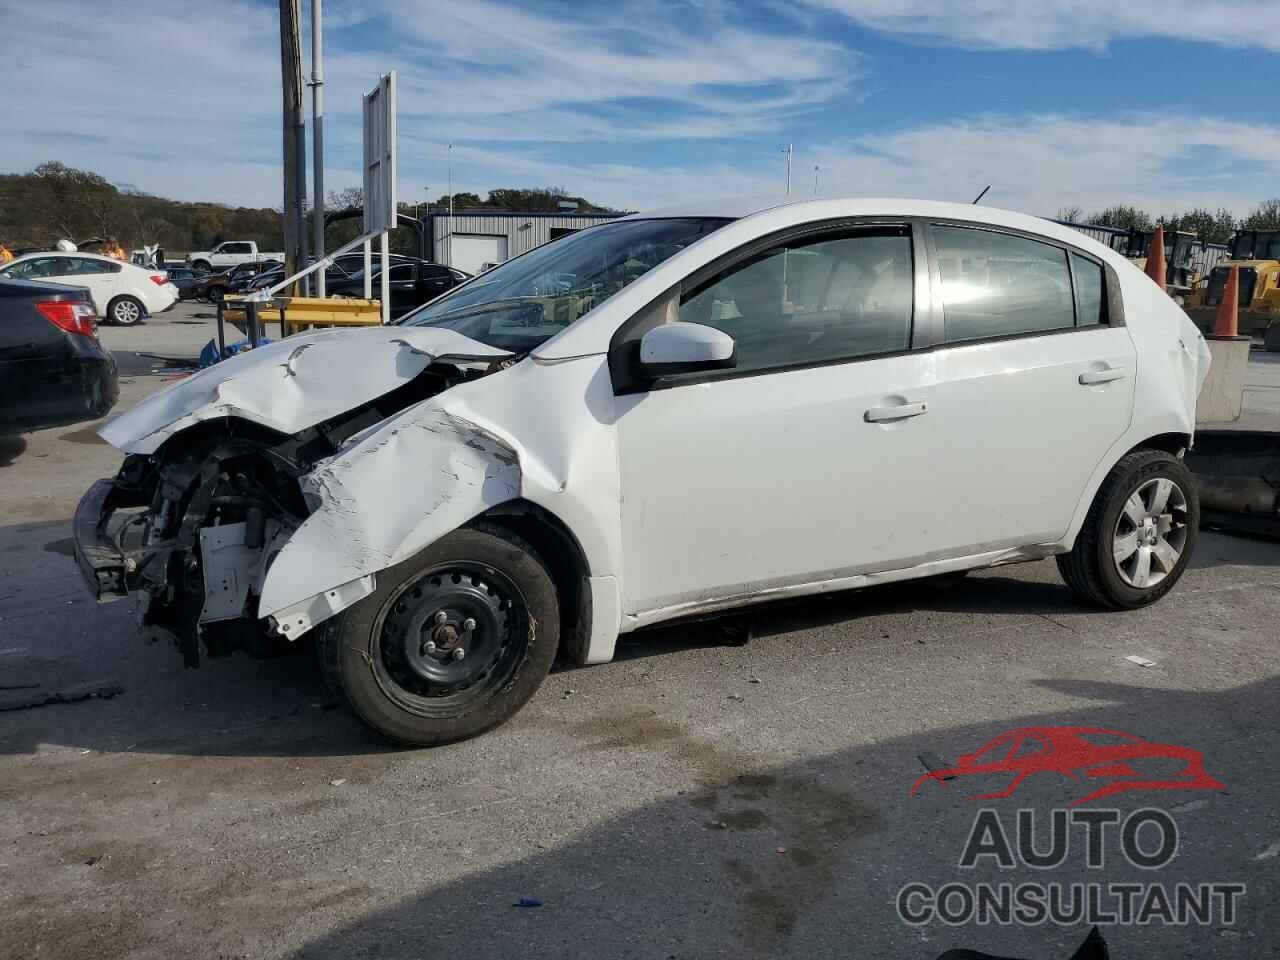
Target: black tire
(126,311)
(484,574)
(215,293)
(201,265)
(1271,338)
(1090,568)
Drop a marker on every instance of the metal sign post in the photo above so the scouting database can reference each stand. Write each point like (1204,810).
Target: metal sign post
(380,176)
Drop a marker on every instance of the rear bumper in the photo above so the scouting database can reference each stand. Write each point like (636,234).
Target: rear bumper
(87,389)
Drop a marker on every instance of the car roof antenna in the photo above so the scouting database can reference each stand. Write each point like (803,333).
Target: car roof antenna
(981,195)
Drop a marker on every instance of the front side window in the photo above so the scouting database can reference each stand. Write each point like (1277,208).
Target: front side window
(813,301)
(522,303)
(999,285)
(34,269)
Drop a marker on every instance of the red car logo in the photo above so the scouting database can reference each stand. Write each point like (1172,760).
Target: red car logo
(1089,753)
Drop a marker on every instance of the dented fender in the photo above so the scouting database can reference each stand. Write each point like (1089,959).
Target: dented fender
(397,490)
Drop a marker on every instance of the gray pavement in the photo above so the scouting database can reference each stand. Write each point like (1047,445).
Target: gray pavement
(688,800)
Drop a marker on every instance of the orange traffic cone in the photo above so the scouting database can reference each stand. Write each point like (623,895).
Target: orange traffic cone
(1226,324)
(1155,258)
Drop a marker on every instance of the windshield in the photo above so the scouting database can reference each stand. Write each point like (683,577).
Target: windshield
(526,301)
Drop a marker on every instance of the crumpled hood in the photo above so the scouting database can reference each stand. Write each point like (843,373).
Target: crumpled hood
(294,383)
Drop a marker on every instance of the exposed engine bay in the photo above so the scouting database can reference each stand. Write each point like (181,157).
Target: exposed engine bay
(195,526)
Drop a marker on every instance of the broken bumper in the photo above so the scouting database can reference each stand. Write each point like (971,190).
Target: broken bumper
(104,566)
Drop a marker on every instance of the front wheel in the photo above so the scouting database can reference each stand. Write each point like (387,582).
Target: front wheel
(1139,535)
(452,643)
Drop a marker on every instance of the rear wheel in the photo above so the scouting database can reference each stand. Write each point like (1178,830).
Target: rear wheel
(1139,535)
(452,643)
(216,293)
(201,265)
(124,311)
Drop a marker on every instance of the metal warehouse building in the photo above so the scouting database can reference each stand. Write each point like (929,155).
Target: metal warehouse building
(470,239)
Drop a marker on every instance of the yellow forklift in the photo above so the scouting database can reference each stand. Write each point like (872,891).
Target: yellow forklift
(1256,254)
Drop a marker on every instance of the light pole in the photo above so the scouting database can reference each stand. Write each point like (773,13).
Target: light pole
(789,150)
(816,168)
(449,248)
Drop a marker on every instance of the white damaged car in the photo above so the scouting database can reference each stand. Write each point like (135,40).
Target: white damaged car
(658,418)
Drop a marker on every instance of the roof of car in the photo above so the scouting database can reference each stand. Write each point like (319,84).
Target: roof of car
(744,206)
(66,253)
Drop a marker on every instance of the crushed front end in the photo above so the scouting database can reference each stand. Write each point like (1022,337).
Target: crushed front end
(190,530)
(215,482)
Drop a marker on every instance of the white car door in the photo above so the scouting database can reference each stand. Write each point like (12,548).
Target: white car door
(1035,376)
(807,461)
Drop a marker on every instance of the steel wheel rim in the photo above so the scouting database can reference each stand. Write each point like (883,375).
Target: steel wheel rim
(1150,534)
(433,683)
(127,312)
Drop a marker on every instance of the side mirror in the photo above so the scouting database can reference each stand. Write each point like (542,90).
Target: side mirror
(675,348)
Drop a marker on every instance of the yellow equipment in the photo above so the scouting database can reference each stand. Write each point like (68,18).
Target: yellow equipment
(1256,253)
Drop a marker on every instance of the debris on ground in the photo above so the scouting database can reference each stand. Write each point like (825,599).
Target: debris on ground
(527,903)
(99,689)
(337,783)
(1140,661)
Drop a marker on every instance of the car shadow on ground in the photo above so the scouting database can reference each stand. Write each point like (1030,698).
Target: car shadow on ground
(804,859)
(241,706)
(12,446)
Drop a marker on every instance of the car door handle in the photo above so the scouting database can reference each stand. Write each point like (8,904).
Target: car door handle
(901,411)
(1091,377)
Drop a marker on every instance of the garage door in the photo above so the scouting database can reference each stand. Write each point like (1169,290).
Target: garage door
(470,251)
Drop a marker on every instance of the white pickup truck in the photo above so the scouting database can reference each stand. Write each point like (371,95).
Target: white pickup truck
(230,253)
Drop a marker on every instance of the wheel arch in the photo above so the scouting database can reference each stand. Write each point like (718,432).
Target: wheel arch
(566,561)
(1173,442)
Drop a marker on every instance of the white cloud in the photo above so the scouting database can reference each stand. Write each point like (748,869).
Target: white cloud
(1038,164)
(189,107)
(1065,24)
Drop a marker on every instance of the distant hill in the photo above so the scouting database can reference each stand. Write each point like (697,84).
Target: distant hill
(55,201)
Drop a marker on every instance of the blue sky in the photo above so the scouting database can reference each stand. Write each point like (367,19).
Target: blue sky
(641,103)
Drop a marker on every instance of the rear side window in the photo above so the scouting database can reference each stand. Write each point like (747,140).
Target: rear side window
(999,285)
(78,266)
(812,301)
(1088,277)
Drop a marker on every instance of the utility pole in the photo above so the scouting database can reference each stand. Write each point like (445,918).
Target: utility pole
(816,168)
(295,142)
(317,138)
(789,150)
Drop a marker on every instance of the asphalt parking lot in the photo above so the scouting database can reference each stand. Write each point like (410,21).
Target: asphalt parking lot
(688,800)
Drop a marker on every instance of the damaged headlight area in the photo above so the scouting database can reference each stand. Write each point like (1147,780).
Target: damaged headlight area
(194,527)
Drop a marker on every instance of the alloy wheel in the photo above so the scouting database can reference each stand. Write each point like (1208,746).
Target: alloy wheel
(1151,533)
(126,312)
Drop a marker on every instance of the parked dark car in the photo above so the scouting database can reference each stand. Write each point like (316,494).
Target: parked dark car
(53,370)
(185,279)
(268,278)
(413,283)
(215,286)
